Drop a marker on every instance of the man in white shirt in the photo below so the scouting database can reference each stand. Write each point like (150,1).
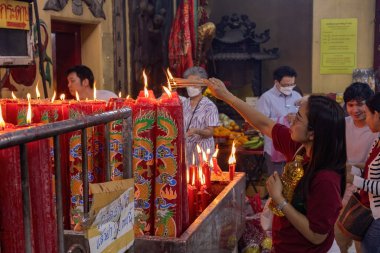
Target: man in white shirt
(81,79)
(277,103)
(359,139)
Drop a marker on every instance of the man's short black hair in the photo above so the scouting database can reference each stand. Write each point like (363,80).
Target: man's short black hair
(83,72)
(282,71)
(358,92)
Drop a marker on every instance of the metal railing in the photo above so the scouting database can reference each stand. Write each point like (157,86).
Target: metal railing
(55,129)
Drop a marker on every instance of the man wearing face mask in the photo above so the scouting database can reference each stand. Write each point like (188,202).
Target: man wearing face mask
(275,104)
(200,117)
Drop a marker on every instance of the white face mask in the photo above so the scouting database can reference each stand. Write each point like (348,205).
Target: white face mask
(193,91)
(287,90)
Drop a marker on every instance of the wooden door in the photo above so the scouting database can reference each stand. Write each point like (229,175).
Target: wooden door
(66,47)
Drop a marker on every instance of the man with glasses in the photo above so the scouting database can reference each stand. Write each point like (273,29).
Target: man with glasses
(278,103)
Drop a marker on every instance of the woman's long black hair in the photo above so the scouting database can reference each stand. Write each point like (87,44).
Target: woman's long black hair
(326,119)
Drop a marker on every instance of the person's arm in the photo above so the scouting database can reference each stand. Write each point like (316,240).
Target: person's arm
(252,116)
(368,185)
(297,219)
(204,133)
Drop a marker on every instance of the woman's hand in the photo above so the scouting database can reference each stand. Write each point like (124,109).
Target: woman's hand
(218,89)
(274,186)
(192,131)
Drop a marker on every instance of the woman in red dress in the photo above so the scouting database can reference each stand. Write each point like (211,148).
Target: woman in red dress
(318,132)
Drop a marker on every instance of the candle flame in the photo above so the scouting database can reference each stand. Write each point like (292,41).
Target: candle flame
(62,97)
(193,159)
(29,112)
(203,179)
(77,95)
(119,94)
(232,159)
(193,179)
(146,93)
(167,91)
(53,98)
(216,152)
(13,95)
(2,122)
(208,151)
(94,90)
(170,79)
(199,149)
(204,156)
(38,95)
(187,176)
(127,96)
(200,173)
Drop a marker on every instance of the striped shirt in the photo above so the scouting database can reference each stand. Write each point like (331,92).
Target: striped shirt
(371,183)
(205,115)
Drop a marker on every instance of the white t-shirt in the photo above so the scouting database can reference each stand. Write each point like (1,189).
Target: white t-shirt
(105,95)
(358,141)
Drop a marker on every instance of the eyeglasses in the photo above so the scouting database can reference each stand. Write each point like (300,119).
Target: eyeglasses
(298,118)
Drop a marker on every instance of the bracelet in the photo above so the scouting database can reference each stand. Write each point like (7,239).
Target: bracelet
(282,205)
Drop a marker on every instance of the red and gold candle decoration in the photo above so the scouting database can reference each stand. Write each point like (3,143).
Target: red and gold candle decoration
(191,196)
(144,135)
(170,169)
(78,109)
(116,140)
(215,167)
(232,162)
(41,193)
(98,106)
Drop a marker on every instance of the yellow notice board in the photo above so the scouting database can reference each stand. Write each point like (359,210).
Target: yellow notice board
(14,15)
(338,45)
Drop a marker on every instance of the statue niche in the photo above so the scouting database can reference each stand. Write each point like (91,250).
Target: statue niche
(236,56)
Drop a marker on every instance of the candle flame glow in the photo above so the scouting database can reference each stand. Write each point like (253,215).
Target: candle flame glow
(77,95)
(193,159)
(127,96)
(119,94)
(199,149)
(203,179)
(29,112)
(53,98)
(200,173)
(232,159)
(204,156)
(94,90)
(193,179)
(167,91)
(62,97)
(187,176)
(216,152)
(170,78)
(2,122)
(38,95)
(146,93)
(13,95)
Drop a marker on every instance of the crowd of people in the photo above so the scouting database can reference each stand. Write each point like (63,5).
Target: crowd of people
(341,154)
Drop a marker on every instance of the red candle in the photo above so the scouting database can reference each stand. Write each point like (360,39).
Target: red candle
(116,138)
(170,183)
(215,167)
(191,196)
(232,162)
(144,135)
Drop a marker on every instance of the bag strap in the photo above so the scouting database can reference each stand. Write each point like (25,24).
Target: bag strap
(192,115)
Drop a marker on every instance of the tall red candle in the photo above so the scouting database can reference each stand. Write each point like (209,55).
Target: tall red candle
(170,193)
(116,138)
(144,135)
